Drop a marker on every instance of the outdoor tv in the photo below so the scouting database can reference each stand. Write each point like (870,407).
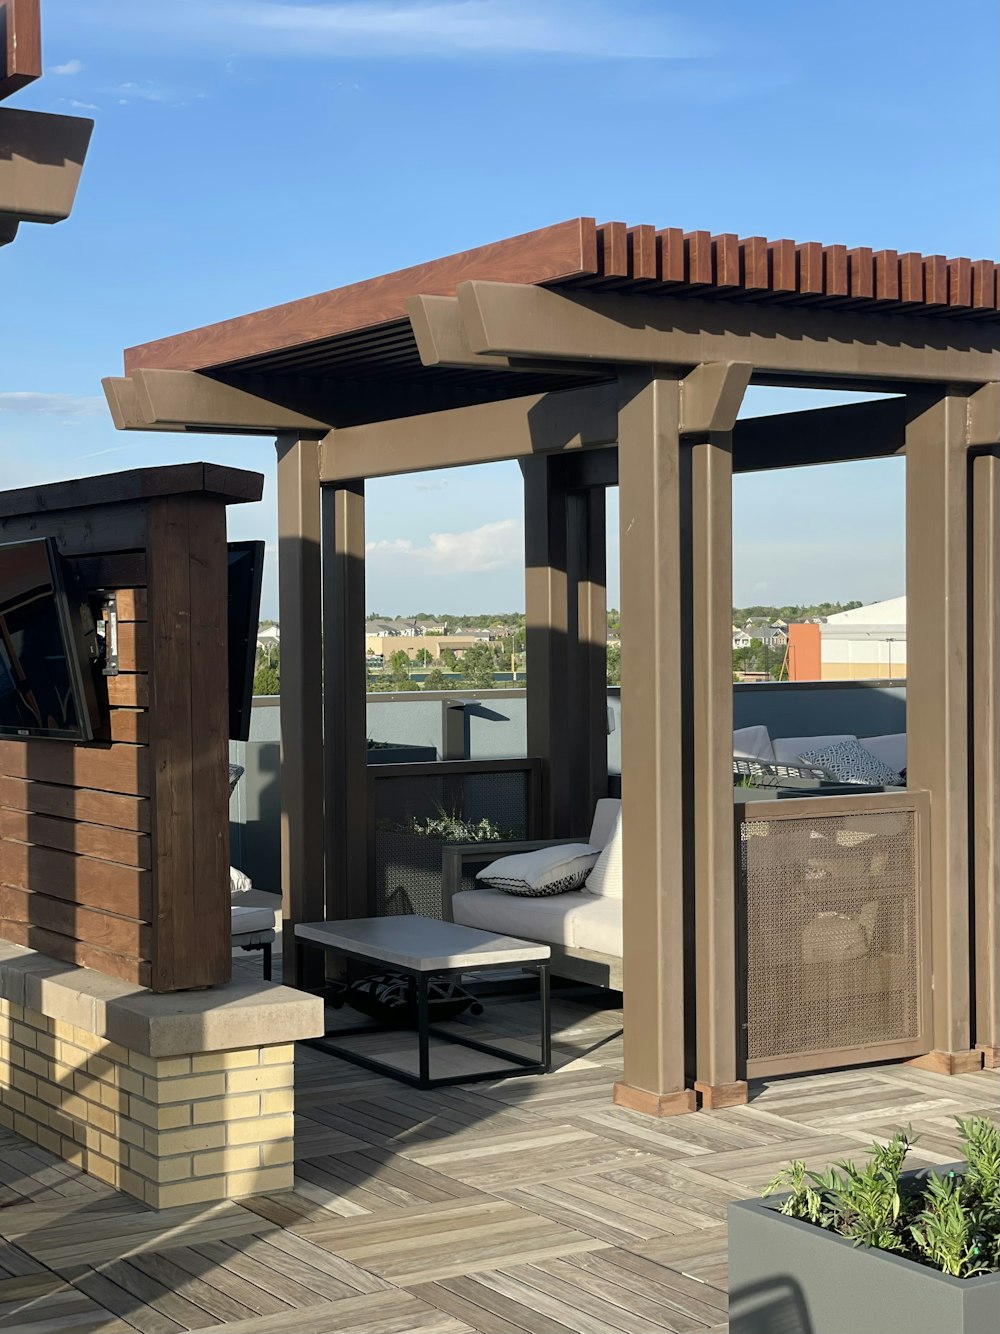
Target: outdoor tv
(48,647)
(246,566)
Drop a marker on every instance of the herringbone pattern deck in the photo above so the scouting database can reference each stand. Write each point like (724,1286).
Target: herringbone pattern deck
(526,1205)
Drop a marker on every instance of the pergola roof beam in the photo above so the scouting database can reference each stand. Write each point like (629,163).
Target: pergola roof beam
(574,419)
(187,400)
(522,321)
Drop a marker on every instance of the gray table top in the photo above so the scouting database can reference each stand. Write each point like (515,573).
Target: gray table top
(421,944)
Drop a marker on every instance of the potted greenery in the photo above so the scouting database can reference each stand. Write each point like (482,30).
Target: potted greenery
(408,856)
(873,1247)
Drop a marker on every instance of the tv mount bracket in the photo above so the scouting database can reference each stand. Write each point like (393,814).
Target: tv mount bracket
(109,615)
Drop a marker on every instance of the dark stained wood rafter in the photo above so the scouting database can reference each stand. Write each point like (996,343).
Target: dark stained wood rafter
(580,254)
(20,44)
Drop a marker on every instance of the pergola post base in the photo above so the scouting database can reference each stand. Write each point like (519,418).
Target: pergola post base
(654,1104)
(950,1062)
(715,1096)
(991,1057)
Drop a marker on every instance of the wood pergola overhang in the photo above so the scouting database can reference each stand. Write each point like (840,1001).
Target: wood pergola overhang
(598,356)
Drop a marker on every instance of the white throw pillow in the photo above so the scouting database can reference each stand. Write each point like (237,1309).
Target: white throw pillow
(753,743)
(239,881)
(891,749)
(850,762)
(543,872)
(606,877)
(788,749)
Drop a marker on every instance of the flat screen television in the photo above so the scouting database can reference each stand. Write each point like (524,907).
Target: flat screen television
(246,566)
(48,647)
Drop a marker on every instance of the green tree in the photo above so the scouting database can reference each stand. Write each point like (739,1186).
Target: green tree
(266,681)
(614,665)
(399,664)
(424,657)
(436,680)
(478,666)
(449,661)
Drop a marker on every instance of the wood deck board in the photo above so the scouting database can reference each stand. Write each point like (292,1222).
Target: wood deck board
(526,1206)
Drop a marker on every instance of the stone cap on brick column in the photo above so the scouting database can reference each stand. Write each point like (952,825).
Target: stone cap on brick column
(259,1014)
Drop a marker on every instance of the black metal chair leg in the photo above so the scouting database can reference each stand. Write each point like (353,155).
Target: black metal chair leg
(267,963)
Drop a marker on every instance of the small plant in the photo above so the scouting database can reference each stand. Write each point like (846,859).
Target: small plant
(949,1222)
(451,827)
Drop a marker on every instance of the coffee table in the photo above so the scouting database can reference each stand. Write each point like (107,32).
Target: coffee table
(422,948)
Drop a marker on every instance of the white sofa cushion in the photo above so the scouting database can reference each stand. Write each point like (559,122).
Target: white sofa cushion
(788,749)
(605,880)
(753,743)
(576,919)
(599,928)
(890,749)
(547,919)
(239,881)
(606,814)
(250,921)
(553,870)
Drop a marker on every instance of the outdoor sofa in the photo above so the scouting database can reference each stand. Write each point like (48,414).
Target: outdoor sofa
(583,930)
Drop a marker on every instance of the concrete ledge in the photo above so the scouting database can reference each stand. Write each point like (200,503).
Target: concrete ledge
(180,1024)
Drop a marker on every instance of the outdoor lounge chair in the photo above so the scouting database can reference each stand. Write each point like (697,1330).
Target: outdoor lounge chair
(584,931)
(253,929)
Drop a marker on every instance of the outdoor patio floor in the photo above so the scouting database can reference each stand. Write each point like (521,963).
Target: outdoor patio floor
(530,1204)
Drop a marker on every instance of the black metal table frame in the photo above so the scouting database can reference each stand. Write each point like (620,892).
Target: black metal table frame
(419,980)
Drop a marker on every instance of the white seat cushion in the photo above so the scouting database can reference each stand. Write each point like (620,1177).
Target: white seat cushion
(246,921)
(605,880)
(239,881)
(606,814)
(753,743)
(575,919)
(788,749)
(890,749)
(547,919)
(599,928)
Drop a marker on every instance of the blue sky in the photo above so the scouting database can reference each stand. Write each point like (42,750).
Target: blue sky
(251,151)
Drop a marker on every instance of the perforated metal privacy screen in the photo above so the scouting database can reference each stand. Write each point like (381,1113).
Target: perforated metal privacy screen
(415,815)
(832,912)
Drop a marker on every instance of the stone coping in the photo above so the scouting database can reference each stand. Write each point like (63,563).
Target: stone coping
(183,1023)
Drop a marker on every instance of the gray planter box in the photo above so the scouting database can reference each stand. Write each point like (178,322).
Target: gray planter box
(789,1277)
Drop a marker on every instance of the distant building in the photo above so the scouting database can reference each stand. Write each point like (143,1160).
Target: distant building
(269,636)
(866,644)
(741,638)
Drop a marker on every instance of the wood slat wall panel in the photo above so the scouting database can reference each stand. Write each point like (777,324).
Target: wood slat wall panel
(78,952)
(129,690)
(130,725)
(76,803)
(117,935)
(115,768)
(122,890)
(132,603)
(127,846)
(133,647)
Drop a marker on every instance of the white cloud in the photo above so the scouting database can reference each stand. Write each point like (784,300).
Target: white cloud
(22,403)
(494,546)
(587,28)
(70,67)
(83,106)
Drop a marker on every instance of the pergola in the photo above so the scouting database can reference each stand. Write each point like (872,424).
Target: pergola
(613,355)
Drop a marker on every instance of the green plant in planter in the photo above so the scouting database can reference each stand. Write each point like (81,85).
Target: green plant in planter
(452,827)
(950,1222)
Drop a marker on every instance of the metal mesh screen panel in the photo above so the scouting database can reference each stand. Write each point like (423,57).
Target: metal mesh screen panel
(408,862)
(832,932)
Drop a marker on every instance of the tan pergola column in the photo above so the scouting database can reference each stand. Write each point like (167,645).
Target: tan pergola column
(937,704)
(566,642)
(653,747)
(717,1055)
(299,597)
(346,771)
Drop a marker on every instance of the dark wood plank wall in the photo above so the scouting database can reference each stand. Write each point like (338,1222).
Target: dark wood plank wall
(115,855)
(75,847)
